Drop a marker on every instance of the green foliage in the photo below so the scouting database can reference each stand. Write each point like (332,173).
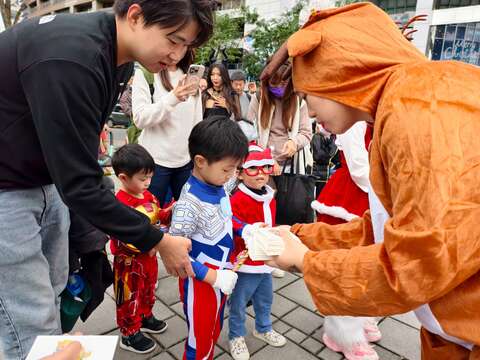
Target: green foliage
(268,36)
(228,34)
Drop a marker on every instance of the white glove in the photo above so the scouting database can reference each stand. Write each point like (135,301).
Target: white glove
(226,280)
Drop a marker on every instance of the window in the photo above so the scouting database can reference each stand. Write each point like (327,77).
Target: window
(396,6)
(445,4)
(457,42)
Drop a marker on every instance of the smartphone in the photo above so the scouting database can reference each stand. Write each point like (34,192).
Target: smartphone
(195,73)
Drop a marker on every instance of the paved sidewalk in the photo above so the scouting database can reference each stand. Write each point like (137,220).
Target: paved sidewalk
(293,314)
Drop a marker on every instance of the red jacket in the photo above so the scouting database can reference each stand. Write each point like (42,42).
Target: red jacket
(250,208)
(154,212)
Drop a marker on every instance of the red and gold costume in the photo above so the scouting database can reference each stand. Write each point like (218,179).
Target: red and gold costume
(424,169)
(135,273)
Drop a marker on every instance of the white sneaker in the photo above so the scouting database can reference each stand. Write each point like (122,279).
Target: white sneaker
(278,273)
(271,338)
(238,349)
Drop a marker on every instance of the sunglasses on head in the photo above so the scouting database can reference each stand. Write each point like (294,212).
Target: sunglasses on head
(255,170)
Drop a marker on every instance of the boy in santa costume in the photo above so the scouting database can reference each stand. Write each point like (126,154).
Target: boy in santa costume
(253,205)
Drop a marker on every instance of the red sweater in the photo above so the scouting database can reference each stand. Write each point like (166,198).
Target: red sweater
(249,208)
(154,212)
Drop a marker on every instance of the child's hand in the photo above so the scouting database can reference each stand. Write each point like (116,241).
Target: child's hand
(169,207)
(226,281)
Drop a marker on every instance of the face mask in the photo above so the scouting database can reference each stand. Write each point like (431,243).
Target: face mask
(277,91)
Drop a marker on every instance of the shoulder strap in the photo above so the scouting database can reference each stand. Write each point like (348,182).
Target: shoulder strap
(150,79)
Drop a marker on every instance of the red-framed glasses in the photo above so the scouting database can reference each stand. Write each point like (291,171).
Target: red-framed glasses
(255,170)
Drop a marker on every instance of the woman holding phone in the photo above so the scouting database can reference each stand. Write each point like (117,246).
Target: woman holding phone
(166,117)
(220,98)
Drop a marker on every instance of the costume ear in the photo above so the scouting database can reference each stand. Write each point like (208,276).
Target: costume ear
(303,41)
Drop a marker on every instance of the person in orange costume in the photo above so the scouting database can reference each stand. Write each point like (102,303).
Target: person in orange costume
(419,247)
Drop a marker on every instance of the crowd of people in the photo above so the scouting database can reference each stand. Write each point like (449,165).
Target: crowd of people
(388,136)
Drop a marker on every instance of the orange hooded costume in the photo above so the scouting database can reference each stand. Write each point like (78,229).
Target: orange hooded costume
(425,167)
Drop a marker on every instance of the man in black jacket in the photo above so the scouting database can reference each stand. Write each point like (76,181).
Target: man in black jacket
(61,76)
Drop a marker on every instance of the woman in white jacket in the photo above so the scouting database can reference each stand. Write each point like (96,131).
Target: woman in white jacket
(166,118)
(282,120)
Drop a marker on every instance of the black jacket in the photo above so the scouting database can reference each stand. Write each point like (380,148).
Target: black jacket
(59,82)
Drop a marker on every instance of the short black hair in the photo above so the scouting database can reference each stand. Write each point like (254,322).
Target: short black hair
(171,13)
(217,138)
(238,75)
(131,159)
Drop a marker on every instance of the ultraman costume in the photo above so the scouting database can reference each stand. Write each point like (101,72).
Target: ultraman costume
(203,214)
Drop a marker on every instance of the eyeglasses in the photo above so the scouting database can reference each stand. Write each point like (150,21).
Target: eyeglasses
(255,170)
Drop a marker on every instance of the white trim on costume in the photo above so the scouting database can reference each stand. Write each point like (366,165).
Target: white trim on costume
(260,198)
(335,211)
(255,148)
(255,269)
(192,340)
(261,162)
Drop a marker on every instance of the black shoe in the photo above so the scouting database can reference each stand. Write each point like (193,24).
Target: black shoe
(137,343)
(153,326)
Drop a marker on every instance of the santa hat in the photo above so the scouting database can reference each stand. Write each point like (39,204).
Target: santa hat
(257,156)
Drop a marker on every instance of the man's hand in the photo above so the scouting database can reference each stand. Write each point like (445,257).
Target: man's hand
(252,87)
(174,253)
(70,352)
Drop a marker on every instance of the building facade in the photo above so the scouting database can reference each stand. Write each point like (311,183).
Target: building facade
(451,32)
(44,7)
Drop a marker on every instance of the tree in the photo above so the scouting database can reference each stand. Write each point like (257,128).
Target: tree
(226,40)
(268,36)
(11,11)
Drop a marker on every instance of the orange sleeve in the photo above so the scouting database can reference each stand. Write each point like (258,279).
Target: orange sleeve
(322,236)
(425,169)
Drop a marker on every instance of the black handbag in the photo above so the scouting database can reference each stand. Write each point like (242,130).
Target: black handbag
(295,193)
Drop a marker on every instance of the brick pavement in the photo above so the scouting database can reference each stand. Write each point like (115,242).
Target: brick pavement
(293,314)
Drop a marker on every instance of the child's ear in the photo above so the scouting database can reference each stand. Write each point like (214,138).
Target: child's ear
(200,161)
(122,177)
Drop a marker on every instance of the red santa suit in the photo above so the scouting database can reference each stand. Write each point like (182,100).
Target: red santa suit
(249,207)
(345,197)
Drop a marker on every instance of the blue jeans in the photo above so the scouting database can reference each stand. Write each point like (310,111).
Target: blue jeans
(165,178)
(34,227)
(255,287)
